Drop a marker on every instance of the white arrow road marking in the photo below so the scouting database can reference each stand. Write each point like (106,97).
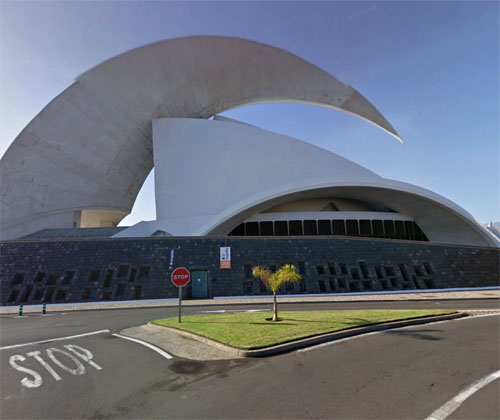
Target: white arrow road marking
(448,408)
(54,339)
(156,349)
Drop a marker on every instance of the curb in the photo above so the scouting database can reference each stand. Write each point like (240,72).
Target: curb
(312,341)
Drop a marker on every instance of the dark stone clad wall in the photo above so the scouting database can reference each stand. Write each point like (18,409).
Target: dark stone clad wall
(75,270)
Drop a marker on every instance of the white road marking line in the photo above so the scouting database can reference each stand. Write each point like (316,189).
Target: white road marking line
(330,343)
(156,349)
(233,310)
(444,411)
(54,339)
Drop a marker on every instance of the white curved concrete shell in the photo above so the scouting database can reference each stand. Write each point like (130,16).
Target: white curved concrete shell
(211,175)
(87,153)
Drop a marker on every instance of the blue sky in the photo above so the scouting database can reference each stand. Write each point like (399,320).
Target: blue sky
(432,68)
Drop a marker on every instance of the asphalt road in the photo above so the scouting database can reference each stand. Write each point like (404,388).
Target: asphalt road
(404,373)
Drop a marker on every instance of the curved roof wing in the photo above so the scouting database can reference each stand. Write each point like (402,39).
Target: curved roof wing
(90,147)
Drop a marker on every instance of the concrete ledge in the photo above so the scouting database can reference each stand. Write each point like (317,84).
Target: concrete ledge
(312,341)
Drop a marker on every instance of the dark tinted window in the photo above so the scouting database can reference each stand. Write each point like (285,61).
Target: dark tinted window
(338,227)
(295,227)
(281,228)
(352,227)
(252,229)
(266,229)
(365,228)
(310,227)
(324,227)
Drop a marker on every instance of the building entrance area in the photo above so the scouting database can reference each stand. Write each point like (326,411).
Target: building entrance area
(200,286)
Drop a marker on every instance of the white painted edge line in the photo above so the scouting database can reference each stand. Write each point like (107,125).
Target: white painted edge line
(444,411)
(156,349)
(54,339)
(330,343)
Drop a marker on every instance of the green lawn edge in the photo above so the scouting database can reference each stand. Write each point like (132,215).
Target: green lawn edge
(250,331)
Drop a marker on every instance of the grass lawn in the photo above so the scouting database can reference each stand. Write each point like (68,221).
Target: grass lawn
(252,331)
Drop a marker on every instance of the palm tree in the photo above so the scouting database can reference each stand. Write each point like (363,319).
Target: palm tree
(273,281)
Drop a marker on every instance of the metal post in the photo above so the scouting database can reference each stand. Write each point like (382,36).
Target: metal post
(180,300)
(44,308)
(21,309)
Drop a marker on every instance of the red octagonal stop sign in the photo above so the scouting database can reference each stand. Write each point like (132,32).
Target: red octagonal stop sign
(181,276)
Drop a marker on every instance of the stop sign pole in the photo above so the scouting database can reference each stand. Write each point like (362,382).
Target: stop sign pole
(180,277)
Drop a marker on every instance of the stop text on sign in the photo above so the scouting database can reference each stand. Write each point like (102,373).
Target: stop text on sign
(181,276)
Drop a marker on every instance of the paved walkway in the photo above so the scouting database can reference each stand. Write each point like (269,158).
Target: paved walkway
(355,297)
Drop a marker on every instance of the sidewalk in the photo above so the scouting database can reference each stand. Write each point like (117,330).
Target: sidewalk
(442,294)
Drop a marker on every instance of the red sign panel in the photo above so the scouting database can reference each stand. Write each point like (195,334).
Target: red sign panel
(181,276)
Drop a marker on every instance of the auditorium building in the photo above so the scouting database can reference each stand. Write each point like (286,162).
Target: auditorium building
(74,172)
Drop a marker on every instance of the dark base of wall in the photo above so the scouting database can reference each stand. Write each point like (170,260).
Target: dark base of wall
(122,269)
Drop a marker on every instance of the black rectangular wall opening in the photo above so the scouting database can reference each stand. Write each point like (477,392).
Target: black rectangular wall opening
(379,272)
(94,274)
(68,277)
(52,280)
(122,270)
(343,268)
(302,267)
(38,294)
(137,291)
(49,293)
(61,295)
(428,268)
(322,286)
(404,272)
(26,294)
(143,272)
(364,269)
(133,273)
(39,277)
(120,290)
(248,271)
(389,270)
(248,287)
(429,283)
(18,278)
(14,294)
(109,278)
(332,269)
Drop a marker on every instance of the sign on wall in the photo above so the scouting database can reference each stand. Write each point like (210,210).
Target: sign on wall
(225,257)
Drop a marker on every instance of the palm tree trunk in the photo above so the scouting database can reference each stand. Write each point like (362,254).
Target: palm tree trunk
(275,308)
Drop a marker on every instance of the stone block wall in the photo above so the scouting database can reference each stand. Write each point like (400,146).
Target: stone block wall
(76,270)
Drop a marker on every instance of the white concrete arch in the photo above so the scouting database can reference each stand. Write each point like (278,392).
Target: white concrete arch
(90,148)
(210,176)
